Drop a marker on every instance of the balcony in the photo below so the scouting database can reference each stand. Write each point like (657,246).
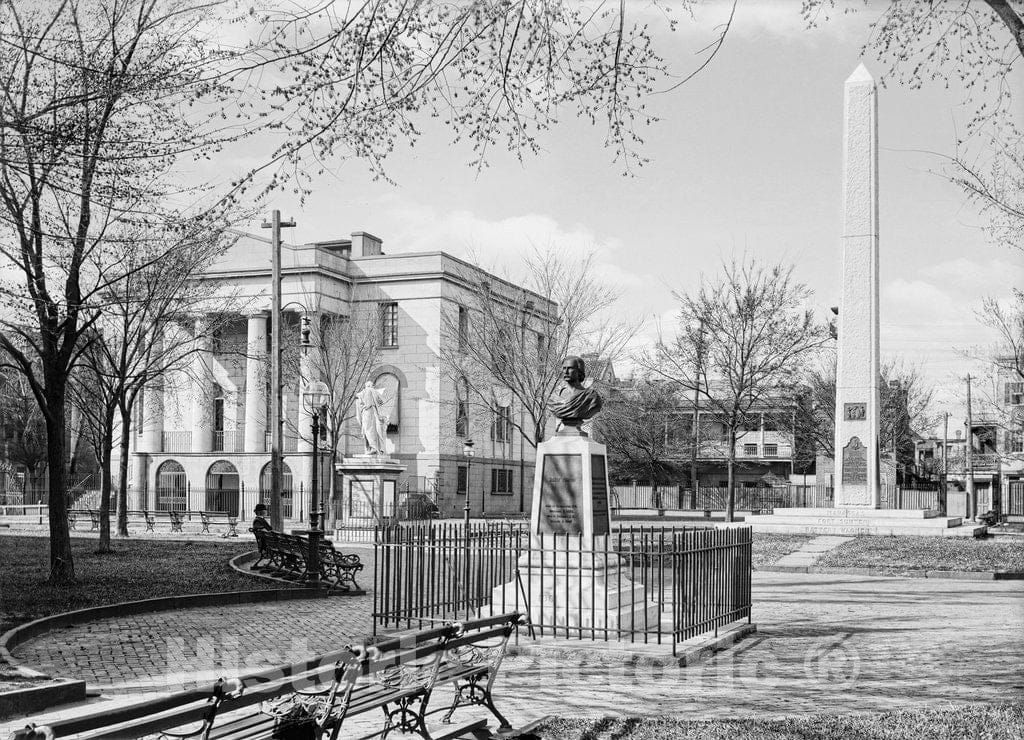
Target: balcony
(177,441)
(289,443)
(232,441)
(983,462)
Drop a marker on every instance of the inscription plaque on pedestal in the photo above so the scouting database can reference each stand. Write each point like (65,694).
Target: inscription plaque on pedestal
(599,494)
(561,486)
(855,462)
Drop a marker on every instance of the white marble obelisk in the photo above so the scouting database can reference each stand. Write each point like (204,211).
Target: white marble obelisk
(857,372)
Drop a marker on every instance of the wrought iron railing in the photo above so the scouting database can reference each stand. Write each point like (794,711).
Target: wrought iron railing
(682,582)
(177,441)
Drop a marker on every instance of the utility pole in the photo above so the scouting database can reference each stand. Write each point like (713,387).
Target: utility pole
(972,502)
(276,391)
(695,427)
(945,459)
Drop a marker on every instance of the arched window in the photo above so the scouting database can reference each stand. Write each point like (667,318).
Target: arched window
(171,487)
(391,388)
(222,488)
(286,488)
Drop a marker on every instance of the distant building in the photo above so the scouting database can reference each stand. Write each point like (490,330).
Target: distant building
(202,438)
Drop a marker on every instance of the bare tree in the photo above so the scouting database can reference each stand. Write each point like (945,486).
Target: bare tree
(980,44)
(145,335)
(742,341)
(510,340)
(642,425)
(107,105)
(22,426)
(907,408)
(1002,399)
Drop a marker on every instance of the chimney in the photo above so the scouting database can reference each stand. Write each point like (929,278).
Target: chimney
(365,244)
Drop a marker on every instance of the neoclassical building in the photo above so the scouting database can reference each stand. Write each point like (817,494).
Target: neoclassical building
(202,437)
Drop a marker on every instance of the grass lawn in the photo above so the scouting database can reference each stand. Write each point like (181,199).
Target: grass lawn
(897,554)
(990,721)
(139,569)
(769,547)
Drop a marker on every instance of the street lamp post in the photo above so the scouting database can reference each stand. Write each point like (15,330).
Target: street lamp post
(467,450)
(315,397)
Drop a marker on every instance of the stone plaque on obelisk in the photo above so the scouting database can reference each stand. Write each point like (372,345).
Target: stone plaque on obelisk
(857,372)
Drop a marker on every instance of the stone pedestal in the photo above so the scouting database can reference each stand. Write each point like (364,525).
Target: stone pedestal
(369,489)
(569,578)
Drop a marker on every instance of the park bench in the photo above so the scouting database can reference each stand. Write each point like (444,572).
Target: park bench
(75,514)
(285,554)
(155,517)
(219,517)
(396,676)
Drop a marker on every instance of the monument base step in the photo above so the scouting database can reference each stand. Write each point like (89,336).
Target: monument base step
(851,524)
(858,512)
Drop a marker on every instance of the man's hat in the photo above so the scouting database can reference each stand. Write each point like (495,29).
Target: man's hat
(260,507)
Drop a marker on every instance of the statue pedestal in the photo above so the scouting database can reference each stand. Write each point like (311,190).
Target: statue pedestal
(369,489)
(569,578)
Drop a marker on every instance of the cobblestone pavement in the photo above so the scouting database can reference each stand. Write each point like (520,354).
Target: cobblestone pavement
(824,644)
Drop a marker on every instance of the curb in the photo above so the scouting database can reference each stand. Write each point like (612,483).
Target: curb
(689,652)
(951,575)
(22,633)
(37,698)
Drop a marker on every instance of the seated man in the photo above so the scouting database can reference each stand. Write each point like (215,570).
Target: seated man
(260,522)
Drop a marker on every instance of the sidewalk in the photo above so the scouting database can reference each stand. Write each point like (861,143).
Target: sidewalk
(824,644)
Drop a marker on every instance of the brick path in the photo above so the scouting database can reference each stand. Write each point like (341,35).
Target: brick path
(825,644)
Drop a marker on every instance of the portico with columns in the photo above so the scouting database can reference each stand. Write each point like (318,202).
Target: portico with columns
(201,440)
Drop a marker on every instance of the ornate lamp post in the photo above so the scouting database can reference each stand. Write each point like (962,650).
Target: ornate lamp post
(467,450)
(314,397)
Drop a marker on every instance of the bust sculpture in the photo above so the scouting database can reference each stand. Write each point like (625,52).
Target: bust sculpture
(576,404)
(374,423)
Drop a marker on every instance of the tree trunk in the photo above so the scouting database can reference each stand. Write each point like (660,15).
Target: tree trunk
(332,509)
(105,486)
(122,475)
(730,505)
(62,562)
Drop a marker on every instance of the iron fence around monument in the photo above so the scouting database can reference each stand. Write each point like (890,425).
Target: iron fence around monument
(679,582)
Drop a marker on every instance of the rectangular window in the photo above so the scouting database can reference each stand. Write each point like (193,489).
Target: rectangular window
(462,419)
(750,450)
(501,424)
(1014,394)
(463,328)
(389,324)
(140,412)
(462,480)
(501,480)
(771,450)
(1016,441)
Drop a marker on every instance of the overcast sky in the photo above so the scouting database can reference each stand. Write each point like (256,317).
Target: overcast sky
(747,157)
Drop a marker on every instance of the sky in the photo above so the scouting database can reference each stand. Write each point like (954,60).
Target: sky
(746,160)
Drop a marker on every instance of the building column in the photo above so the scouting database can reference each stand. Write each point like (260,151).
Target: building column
(255,384)
(202,371)
(152,417)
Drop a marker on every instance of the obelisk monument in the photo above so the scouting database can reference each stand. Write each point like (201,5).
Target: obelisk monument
(857,372)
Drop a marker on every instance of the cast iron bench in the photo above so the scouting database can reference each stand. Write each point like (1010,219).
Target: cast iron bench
(75,514)
(396,676)
(221,517)
(153,517)
(285,554)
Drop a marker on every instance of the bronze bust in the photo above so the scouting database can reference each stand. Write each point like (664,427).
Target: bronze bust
(576,404)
